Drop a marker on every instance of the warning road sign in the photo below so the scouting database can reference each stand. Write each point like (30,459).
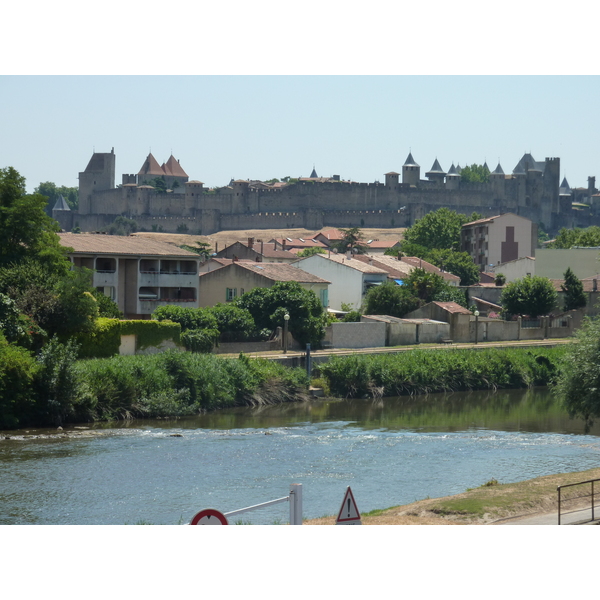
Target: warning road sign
(349,514)
(209,516)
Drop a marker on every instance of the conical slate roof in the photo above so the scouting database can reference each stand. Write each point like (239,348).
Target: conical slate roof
(151,167)
(528,163)
(410,161)
(313,175)
(453,172)
(498,170)
(436,168)
(61,204)
(564,187)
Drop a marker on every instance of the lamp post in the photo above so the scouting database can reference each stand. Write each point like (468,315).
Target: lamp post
(286,318)
(476,313)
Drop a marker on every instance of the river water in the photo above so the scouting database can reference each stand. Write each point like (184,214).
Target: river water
(393,451)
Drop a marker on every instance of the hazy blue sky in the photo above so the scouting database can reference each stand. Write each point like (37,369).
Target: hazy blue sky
(259,127)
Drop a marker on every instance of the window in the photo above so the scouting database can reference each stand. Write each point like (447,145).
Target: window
(230,294)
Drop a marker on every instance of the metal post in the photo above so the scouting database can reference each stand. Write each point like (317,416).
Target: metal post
(296,504)
(476,325)
(558,489)
(308,365)
(286,318)
(592,500)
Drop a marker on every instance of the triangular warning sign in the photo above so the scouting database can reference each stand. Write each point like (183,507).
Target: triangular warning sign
(349,514)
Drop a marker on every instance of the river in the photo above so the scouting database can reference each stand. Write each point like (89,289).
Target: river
(392,451)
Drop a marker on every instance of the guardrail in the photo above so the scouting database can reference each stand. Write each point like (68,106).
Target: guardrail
(295,500)
(563,498)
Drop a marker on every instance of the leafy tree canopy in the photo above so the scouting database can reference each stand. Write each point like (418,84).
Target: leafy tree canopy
(532,296)
(26,231)
(352,240)
(458,263)
(268,306)
(201,248)
(578,385)
(390,299)
(123,226)
(568,238)
(475,174)
(310,252)
(53,192)
(573,289)
(439,229)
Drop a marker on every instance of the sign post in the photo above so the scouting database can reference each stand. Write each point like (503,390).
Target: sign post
(209,516)
(348,514)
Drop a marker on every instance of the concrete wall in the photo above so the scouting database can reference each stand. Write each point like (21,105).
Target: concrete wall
(516,269)
(355,335)
(553,263)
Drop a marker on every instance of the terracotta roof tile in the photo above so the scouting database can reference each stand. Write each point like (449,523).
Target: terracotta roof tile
(93,243)
(281,272)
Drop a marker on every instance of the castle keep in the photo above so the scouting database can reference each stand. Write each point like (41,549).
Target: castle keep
(532,190)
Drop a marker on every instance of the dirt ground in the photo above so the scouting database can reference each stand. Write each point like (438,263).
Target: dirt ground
(226,238)
(510,501)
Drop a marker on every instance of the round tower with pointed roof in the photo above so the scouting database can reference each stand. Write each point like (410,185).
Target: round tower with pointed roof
(436,174)
(452,178)
(411,171)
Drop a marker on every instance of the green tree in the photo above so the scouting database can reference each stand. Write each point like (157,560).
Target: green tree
(458,263)
(52,192)
(26,231)
(439,229)
(532,296)
(578,382)
(202,249)
(475,174)
(310,252)
(268,306)
(573,289)
(59,303)
(585,238)
(352,239)
(425,285)
(122,226)
(159,184)
(390,299)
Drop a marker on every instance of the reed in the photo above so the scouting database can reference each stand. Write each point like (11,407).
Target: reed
(445,370)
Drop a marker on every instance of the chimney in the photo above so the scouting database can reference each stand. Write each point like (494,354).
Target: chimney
(595,284)
(283,245)
(349,254)
(262,247)
(250,243)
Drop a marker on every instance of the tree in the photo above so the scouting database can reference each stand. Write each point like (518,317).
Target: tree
(202,249)
(573,288)
(351,241)
(52,193)
(123,226)
(578,384)
(26,231)
(568,238)
(475,174)
(310,252)
(390,299)
(268,306)
(425,285)
(439,229)
(458,263)
(532,296)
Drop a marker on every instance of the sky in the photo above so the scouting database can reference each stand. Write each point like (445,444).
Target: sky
(263,127)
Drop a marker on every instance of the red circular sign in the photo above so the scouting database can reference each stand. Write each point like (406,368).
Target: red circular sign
(209,516)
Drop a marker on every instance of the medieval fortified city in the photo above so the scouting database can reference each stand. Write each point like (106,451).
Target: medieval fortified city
(532,190)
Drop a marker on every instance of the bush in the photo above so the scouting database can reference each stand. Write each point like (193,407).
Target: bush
(235,324)
(200,340)
(102,341)
(188,318)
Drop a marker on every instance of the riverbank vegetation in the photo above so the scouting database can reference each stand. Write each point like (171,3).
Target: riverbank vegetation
(443,370)
(56,388)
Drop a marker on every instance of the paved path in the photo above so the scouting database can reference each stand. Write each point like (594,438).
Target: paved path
(582,516)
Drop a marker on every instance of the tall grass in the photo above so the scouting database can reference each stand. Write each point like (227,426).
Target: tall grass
(179,383)
(426,371)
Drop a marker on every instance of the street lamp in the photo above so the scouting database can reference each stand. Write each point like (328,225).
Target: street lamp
(286,318)
(476,313)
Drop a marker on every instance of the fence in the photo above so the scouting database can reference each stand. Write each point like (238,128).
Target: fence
(575,498)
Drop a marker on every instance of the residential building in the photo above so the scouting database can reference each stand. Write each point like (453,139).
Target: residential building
(499,239)
(257,251)
(553,263)
(139,274)
(233,280)
(350,278)
(399,269)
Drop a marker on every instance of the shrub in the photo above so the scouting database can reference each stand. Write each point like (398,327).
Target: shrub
(200,340)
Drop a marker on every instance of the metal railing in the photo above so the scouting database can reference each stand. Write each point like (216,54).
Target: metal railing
(576,500)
